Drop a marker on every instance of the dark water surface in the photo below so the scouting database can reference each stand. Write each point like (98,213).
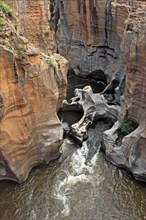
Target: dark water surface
(81,185)
(79,82)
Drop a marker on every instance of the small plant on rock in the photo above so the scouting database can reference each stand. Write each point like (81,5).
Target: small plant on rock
(127,127)
(7,41)
(1,23)
(6,9)
(52,62)
(129,21)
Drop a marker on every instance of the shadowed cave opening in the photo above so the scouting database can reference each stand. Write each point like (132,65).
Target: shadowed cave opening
(5,170)
(69,116)
(72,114)
(96,79)
(127,127)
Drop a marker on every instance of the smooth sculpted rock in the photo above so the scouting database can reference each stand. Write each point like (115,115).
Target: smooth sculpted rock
(94,107)
(109,37)
(131,154)
(32,87)
(89,34)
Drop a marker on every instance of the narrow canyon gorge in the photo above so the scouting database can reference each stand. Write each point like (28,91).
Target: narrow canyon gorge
(100,40)
(73,101)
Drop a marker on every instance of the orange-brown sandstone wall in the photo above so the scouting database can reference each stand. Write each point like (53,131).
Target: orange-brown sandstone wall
(31,91)
(34,19)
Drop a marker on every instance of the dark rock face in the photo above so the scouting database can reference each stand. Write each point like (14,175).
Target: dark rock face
(89,34)
(110,37)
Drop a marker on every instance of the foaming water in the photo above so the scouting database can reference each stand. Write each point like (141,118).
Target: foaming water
(78,171)
(80,186)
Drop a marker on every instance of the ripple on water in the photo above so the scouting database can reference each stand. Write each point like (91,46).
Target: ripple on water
(80,186)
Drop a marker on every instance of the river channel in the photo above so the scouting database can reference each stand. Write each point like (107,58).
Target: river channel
(80,185)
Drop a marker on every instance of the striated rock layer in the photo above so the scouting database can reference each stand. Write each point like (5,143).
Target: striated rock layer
(32,87)
(108,38)
(102,39)
(132,152)
(33,23)
(89,34)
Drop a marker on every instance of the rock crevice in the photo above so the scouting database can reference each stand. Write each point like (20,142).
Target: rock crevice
(110,36)
(32,87)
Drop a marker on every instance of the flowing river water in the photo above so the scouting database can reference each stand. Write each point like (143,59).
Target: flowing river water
(81,185)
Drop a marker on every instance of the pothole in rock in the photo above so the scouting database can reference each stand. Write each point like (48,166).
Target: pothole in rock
(74,114)
(80,82)
(69,118)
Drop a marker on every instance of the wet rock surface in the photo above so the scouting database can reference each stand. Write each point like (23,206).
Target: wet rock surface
(125,154)
(109,38)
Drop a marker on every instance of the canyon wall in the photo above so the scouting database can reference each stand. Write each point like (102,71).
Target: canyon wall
(89,34)
(132,154)
(102,39)
(32,87)
(33,17)
(108,38)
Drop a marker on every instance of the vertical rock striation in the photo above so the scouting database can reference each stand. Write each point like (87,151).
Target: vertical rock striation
(109,37)
(34,19)
(32,87)
(105,40)
(89,34)
(132,152)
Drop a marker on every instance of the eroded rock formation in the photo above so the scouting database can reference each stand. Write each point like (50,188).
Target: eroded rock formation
(110,36)
(94,107)
(89,34)
(132,152)
(32,87)
(104,40)
(33,17)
